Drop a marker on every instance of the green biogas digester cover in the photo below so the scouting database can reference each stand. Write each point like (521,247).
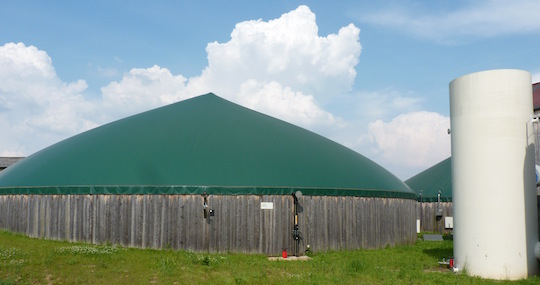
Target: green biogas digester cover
(203,144)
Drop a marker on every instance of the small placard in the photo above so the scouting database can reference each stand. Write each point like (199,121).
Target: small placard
(267,205)
(449,222)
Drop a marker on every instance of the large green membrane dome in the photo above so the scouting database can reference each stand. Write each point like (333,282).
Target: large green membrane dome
(429,182)
(204,144)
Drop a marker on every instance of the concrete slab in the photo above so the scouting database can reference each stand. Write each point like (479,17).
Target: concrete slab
(290,258)
(433,237)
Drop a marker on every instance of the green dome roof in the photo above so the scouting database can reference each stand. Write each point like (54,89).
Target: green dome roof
(430,181)
(203,144)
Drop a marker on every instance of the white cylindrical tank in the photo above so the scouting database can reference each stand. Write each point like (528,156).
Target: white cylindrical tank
(493,174)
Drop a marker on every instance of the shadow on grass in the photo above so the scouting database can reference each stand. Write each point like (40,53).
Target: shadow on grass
(439,253)
(437,249)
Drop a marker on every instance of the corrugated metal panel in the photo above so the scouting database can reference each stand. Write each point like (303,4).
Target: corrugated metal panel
(536,96)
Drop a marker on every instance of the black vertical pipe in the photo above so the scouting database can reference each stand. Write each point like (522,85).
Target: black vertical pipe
(296,233)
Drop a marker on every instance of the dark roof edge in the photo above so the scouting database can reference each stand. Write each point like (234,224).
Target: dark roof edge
(198,190)
(6,161)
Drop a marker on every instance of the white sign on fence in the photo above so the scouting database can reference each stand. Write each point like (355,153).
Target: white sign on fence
(267,205)
(449,222)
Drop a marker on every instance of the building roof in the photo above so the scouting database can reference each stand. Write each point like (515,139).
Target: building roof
(430,181)
(8,161)
(203,144)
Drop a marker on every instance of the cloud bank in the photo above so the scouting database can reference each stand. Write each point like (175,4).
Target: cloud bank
(413,137)
(280,67)
(36,107)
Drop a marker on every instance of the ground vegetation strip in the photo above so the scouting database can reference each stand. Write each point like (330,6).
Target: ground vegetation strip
(25,260)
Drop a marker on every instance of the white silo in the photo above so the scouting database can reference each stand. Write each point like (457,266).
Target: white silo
(494,193)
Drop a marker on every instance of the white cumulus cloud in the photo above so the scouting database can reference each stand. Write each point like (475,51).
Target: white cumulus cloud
(287,50)
(287,67)
(284,103)
(142,89)
(416,139)
(36,107)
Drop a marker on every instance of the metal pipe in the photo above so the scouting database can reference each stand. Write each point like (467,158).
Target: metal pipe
(205,205)
(296,231)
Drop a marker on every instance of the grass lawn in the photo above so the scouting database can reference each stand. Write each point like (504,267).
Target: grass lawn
(25,260)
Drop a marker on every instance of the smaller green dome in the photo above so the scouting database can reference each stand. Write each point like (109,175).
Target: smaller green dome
(428,182)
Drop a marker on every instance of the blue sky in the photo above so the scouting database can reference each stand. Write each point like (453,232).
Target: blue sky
(372,75)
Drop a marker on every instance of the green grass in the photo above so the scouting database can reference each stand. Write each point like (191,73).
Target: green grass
(25,260)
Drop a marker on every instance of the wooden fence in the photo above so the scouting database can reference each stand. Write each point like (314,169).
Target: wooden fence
(427,213)
(238,225)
